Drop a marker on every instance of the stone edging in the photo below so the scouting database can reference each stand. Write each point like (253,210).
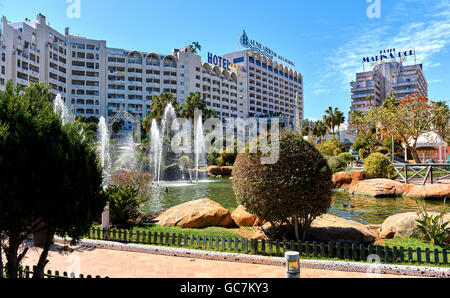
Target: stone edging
(261,260)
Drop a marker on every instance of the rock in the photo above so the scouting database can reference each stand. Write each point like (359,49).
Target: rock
(242,218)
(330,228)
(196,214)
(226,171)
(374,229)
(342,180)
(214,171)
(358,176)
(172,173)
(429,191)
(403,225)
(378,188)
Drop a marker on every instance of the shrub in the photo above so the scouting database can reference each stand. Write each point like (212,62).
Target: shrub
(336,164)
(347,157)
(331,148)
(433,228)
(293,191)
(378,166)
(140,181)
(124,202)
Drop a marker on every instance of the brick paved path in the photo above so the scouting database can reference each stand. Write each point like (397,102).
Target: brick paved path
(117,264)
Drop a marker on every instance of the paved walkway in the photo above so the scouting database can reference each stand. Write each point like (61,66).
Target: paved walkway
(117,264)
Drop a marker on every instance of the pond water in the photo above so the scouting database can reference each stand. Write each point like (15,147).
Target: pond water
(366,210)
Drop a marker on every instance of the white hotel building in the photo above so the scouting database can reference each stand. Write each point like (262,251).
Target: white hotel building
(372,87)
(95,80)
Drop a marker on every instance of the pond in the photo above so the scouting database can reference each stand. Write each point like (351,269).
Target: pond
(366,210)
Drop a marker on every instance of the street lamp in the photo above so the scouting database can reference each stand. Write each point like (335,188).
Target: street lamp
(292,264)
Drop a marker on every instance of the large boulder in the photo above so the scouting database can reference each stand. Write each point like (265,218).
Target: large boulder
(214,171)
(196,214)
(429,191)
(226,171)
(403,225)
(378,188)
(242,218)
(342,180)
(330,228)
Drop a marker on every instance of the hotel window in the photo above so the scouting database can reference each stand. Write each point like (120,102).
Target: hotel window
(251,60)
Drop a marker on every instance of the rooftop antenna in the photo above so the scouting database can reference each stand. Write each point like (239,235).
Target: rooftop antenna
(415,56)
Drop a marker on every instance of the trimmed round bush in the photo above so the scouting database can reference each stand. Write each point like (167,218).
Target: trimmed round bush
(378,166)
(293,191)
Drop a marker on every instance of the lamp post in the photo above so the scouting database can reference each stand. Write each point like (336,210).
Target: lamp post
(292,264)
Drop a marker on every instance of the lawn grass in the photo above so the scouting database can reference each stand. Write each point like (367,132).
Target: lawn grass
(411,242)
(153,228)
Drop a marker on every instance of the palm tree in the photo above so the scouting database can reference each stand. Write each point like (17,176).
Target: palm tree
(319,130)
(196,46)
(306,128)
(339,120)
(157,107)
(194,102)
(328,120)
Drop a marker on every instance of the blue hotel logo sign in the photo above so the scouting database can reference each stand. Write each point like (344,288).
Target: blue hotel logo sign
(222,62)
(259,48)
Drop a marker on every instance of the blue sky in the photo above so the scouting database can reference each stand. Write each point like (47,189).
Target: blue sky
(326,39)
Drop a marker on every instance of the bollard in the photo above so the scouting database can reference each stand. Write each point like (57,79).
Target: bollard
(292,264)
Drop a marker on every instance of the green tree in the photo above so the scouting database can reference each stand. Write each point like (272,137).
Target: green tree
(306,128)
(407,119)
(441,119)
(319,130)
(332,147)
(50,176)
(193,102)
(157,108)
(196,47)
(329,120)
(294,191)
(89,126)
(339,119)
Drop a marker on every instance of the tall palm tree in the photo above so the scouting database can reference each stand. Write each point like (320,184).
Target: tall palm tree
(328,120)
(339,119)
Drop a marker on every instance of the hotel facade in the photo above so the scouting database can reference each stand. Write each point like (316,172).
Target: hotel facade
(372,87)
(95,80)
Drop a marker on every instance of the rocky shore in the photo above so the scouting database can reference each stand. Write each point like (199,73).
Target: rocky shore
(356,184)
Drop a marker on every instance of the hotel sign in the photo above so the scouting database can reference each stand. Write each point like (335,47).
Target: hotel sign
(390,55)
(259,48)
(222,62)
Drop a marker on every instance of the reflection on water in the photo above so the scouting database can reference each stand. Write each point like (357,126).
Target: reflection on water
(169,194)
(366,210)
